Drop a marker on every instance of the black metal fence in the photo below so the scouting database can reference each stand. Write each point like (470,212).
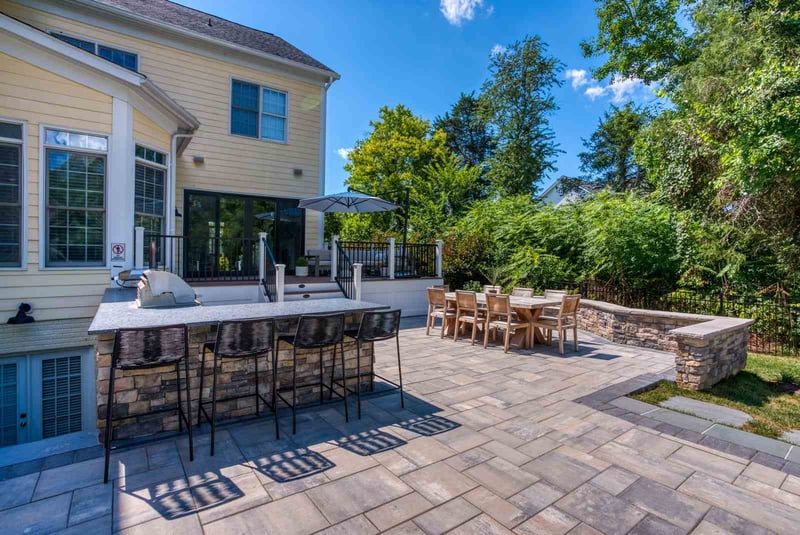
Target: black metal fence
(269,282)
(415,261)
(344,273)
(201,259)
(374,257)
(776,316)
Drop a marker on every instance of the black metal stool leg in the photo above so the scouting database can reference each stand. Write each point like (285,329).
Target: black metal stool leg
(275,393)
(358,376)
(333,375)
(202,377)
(294,390)
(180,404)
(400,373)
(108,419)
(258,393)
(344,379)
(213,403)
(188,409)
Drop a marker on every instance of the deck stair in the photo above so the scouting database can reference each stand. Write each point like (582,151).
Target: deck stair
(298,291)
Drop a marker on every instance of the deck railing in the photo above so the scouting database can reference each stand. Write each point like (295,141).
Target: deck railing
(390,260)
(201,258)
(374,256)
(344,273)
(415,261)
(270,281)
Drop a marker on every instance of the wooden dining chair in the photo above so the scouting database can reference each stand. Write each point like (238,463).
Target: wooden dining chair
(500,316)
(522,292)
(438,308)
(566,319)
(467,312)
(489,289)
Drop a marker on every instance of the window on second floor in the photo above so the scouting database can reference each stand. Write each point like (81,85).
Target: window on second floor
(129,60)
(259,112)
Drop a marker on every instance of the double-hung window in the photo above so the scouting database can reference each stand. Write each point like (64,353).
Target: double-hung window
(75,183)
(259,112)
(123,58)
(11,188)
(151,172)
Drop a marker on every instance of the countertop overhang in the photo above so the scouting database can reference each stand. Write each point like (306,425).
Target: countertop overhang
(118,310)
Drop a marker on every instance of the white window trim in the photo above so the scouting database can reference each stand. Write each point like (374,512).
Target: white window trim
(43,245)
(97,44)
(164,167)
(23,230)
(260,110)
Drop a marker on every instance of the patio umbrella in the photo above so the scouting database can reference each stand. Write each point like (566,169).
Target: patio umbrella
(349,202)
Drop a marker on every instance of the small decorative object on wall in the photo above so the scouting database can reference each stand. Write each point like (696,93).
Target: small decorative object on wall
(22,315)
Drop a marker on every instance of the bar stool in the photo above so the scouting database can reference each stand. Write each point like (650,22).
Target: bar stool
(314,332)
(136,349)
(239,340)
(374,327)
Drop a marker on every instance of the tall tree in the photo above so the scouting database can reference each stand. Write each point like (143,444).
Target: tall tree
(468,134)
(517,101)
(609,157)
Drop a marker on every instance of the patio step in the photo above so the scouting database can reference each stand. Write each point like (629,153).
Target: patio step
(318,290)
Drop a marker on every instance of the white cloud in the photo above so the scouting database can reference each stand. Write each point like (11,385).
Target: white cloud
(625,89)
(456,11)
(344,153)
(595,92)
(577,77)
(498,49)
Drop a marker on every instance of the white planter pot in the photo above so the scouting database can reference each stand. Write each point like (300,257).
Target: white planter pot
(301,271)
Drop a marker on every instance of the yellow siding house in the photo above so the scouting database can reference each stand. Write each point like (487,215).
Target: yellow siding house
(201,131)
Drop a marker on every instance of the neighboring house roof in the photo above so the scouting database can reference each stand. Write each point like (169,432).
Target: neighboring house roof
(582,190)
(164,11)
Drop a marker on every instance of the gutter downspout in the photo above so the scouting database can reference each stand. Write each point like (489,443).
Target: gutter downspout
(323,122)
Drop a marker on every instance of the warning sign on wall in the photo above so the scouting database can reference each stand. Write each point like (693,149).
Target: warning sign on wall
(117,252)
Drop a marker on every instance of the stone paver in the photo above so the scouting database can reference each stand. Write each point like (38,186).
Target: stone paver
(527,442)
(708,411)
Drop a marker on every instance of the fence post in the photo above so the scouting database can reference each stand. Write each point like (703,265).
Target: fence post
(138,248)
(357,281)
(390,259)
(280,271)
(439,255)
(334,255)
(262,254)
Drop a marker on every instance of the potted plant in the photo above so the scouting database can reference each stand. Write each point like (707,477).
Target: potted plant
(301,267)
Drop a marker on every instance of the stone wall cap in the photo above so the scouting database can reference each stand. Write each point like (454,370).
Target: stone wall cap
(643,312)
(711,329)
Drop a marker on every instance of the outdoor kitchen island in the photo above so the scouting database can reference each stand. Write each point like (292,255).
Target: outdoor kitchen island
(138,391)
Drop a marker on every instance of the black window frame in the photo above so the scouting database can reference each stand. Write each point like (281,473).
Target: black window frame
(258,111)
(100,50)
(19,144)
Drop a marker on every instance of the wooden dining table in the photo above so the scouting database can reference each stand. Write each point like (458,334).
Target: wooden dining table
(528,309)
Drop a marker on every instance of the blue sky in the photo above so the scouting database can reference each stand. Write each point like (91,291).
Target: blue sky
(424,53)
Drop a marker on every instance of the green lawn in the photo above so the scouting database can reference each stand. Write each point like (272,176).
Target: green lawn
(762,390)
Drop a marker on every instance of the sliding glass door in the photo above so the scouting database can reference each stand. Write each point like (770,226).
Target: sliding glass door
(221,234)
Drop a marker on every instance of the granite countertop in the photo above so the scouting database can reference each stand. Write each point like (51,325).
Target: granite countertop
(118,310)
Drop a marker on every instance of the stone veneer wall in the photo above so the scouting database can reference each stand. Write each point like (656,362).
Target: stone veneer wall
(707,349)
(139,391)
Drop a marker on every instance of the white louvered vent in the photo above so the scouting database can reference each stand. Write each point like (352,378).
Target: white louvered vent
(61,396)
(8,404)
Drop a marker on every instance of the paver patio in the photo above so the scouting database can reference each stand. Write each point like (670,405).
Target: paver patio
(488,443)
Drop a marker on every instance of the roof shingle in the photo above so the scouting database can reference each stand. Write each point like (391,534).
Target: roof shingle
(216,27)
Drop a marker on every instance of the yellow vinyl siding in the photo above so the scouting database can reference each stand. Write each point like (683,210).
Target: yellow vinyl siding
(202,86)
(148,133)
(39,97)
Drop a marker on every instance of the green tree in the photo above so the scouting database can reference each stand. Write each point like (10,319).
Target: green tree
(609,157)
(468,134)
(639,39)
(393,157)
(517,101)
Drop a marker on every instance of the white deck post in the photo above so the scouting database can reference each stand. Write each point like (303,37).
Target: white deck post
(390,260)
(262,253)
(334,255)
(439,254)
(138,253)
(280,272)
(357,281)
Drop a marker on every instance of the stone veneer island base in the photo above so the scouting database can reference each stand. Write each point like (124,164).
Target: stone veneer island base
(707,349)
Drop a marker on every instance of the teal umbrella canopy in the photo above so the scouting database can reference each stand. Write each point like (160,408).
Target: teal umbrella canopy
(348,202)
